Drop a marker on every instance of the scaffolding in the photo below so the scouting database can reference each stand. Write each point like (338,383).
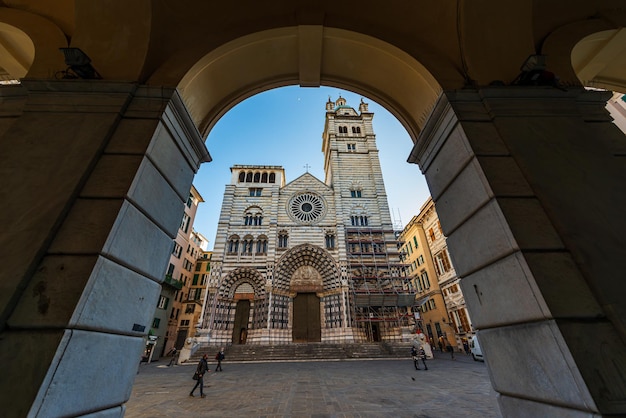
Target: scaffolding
(381,294)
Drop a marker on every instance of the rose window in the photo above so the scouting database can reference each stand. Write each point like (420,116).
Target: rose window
(306,208)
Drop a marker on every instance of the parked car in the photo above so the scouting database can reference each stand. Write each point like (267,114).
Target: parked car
(477,353)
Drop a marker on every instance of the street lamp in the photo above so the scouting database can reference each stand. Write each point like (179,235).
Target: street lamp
(78,65)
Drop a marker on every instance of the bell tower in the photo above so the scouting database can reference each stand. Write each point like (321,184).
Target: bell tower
(352,166)
(372,262)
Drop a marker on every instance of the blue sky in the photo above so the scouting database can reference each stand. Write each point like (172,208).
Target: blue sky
(284,127)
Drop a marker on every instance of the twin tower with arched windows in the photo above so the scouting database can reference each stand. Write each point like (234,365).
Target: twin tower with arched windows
(288,259)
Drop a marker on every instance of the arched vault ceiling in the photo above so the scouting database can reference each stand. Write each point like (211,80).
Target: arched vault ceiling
(340,58)
(599,60)
(16,51)
(59,13)
(25,36)
(397,52)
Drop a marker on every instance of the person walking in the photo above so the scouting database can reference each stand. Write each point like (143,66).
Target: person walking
(448,346)
(421,354)
(414,355)
(203,367)
(466,347)
(174,360)
(219,357)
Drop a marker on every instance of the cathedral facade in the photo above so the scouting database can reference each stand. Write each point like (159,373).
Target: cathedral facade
(310,260)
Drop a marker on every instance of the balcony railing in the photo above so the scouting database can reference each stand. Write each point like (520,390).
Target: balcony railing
(176,284)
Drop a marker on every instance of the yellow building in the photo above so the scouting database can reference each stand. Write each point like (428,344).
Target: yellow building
(191,316)
(430,310)
(440,304)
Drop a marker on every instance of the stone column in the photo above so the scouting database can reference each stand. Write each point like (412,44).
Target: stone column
(529,185)
(94,179)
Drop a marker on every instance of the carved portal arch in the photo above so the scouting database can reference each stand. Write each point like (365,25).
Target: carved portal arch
(239,276)
(307,265)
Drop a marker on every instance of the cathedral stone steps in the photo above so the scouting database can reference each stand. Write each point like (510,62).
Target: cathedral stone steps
(307,351)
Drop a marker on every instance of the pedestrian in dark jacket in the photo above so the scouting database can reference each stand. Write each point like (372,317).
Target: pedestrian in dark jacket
(201,370)
(219,357)
(174,353)
(421,354)
(415,358)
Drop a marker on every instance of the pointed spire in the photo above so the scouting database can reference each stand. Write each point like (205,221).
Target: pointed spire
(329,105)
(363,107)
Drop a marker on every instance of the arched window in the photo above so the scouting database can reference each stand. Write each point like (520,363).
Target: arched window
(330,241)
(248,243)
(242,177)
(343,129)
(282,239)
(360,220)
(261,245)
(249,177)
(272,177)
(264,178)
(356,130)
(253,216)
(257,177)
(233,244)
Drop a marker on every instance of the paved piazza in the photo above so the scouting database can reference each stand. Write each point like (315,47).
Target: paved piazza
(375,388)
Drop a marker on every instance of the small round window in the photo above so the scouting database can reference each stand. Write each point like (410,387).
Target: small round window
(306,207)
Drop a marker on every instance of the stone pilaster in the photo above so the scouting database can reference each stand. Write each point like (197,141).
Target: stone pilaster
(101,171)
(528,185)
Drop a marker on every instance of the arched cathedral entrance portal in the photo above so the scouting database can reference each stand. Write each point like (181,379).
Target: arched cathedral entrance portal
(236,311)
(309,277)
(306,305)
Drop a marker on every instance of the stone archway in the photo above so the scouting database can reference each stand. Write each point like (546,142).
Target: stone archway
(364,51)
(234,284)
(306,267)
(241,298)
(305,272)
(129,148)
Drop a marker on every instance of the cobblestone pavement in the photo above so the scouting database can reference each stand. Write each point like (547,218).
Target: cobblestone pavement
(361,388)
